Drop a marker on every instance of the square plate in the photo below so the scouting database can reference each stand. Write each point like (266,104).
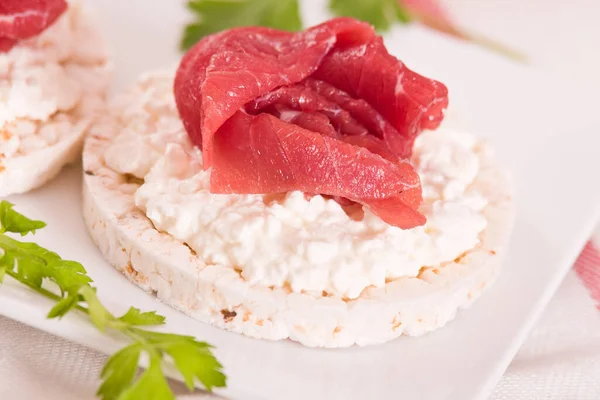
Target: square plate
(543,129)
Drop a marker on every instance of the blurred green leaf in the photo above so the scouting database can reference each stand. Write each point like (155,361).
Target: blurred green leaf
(382,14)
(217,15)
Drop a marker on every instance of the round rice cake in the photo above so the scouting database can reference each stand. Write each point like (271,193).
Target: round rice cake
(142,173)
(52,87)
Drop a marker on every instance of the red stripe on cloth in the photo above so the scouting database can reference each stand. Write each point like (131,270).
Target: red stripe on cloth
(587,267)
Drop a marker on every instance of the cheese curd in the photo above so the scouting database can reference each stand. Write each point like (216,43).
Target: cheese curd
(49,83)
(309,245)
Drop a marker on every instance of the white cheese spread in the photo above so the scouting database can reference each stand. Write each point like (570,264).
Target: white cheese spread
(304,245)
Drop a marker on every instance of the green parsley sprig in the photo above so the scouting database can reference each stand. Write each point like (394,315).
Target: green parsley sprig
(216,15)
(382,14)
(212,16)
(33,266)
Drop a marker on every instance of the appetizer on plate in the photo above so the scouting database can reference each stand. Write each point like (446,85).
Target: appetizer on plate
(294,185)
(54,75)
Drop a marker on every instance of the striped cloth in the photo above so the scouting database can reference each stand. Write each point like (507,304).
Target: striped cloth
(588,269)
(561,358)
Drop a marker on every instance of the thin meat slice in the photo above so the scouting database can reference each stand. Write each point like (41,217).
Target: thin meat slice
(223,72)
(360,110)
(302,98)
(23,19)
(300,159)
(6,44)
(324,111)
(407,100)
(318,106)
(313,121)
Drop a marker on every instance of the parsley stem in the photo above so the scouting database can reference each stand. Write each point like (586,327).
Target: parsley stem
(134,335)
(33,266)
(41,290)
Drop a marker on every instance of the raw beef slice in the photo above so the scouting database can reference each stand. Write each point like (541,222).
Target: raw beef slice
(325,111)
(23,19)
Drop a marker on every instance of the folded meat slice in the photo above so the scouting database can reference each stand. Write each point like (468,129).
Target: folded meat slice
(408,101)
(22,19)
(300,159)
(325,111)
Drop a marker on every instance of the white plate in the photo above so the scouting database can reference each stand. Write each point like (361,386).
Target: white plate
(544,130)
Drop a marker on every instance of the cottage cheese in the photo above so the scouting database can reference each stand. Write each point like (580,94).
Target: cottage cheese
(49,83)
(305,245)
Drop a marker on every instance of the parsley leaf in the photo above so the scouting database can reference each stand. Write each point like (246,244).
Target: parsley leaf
(165,338)
(193,359)
(65,305)
(216,15)
(29,259)
(382,14)
(12,221)
(119,371)
(69,275)
(196,362)
(33,265)
(152,385)
(135,317)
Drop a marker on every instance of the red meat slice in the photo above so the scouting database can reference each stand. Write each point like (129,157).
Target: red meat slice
(300,159)
(23,19)
(223,72)
(325,111)
(408,101)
